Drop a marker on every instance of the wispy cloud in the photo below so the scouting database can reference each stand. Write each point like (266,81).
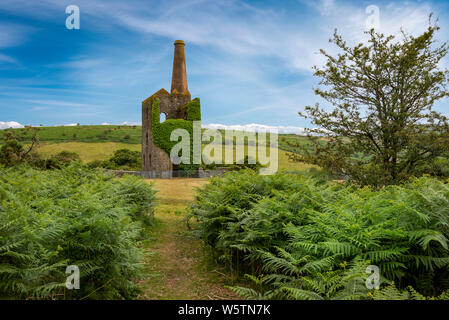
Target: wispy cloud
(247,62)
(13,34)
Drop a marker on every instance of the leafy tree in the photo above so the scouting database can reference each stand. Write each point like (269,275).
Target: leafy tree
(12,152)
(383,128)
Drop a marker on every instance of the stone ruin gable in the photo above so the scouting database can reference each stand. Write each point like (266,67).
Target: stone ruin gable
(156,162)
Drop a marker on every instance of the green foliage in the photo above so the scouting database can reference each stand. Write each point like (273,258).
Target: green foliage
(73,216)
(247,164)
(12,154)
(294,143)
(66,157)
(383,129)
(58,161)
(392,293)
(99,164)
(162,131)
(123,159)
(311,235)
(139,196)
(12,151)
(126,157)
(194,110)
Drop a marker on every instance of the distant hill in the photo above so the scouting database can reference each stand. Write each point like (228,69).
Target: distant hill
(116,133)
(99,133)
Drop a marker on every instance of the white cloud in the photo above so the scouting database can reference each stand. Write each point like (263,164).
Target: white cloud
(10,124)
(263,32)
(254,127)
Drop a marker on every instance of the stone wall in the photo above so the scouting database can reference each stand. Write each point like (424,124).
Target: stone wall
(156,162)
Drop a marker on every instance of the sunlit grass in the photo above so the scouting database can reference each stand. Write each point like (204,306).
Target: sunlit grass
(90,151)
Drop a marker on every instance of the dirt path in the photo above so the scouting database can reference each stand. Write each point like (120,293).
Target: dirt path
(181,266)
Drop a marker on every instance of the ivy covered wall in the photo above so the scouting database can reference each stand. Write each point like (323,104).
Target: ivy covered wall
(161,131)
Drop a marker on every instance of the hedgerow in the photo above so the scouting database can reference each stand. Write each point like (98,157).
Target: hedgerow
(301,238)
(72,216)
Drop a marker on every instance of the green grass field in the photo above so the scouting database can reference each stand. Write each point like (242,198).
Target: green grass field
(100,142)
(124,134)
(90,151)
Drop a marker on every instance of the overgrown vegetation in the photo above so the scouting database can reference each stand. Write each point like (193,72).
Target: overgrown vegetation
(247,163)
(303,238)
(12,152)
(73,216)
(161,132)
(57,137)
(122,159)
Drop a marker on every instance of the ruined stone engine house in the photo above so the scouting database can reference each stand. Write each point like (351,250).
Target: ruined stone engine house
(156,162)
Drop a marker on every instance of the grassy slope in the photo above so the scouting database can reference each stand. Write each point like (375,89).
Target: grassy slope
(100,142)
(125,134)
(90,151)
(182,264)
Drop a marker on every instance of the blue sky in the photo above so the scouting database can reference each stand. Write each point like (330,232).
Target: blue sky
(250,62)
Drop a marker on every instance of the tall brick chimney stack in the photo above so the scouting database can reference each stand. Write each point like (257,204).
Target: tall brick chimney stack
(179,76)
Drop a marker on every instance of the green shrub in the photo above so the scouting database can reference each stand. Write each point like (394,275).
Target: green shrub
(57,161)
(123,159)
(307,234)
(13,153)
(66,157)
(10,153)
(96,164)
(235,166)
(126,157)
(72,216)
